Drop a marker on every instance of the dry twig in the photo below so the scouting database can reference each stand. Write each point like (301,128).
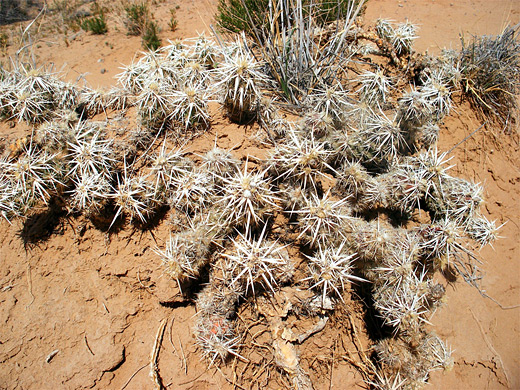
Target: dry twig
(132,376)
(154,368)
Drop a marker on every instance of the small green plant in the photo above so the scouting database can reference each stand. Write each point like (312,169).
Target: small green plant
(97,23)
(151,40)
(239,15)
(172,23)
(251,16)
(4,40)
(137,16)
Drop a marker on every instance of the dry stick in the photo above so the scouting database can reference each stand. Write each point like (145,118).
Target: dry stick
(261,371)
(27,29)
(233,368)
(365,366)
(465,139)
(154,369)
(132,377)
(229,380)
(171,340)
(142,284)
(183,357)
(490,346)
(29,284)
(86,343)
(498,303)
(51,356)
(332,364)
(192,380)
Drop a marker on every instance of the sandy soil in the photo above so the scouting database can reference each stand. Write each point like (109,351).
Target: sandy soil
(81,308)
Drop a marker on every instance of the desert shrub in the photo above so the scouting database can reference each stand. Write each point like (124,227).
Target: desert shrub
(172,23)
(136,18)
(97,25)
(491,74)
(251,15)
(4,40)
(238,15)
(151,40)
(299,60)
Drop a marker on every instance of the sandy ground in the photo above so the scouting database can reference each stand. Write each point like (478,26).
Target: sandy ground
(81,308)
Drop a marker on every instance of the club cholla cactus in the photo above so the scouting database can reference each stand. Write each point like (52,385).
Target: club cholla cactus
(191,191)
(7,194)
(167,166)
(415,107)
(220,164)
(331,101)
(189,107)
(299,158)
(89,153)
(91,192)
(151,66)
(133,195)
(401,37)
(258,262)
(240,78)
(29,106)
(187,252)
(330,269)
(216,338)
(33,177)
(321,218)
(440,242)
(330,194)
(154,102)
(247,197)
(375,87)
(482,230)
(380,143)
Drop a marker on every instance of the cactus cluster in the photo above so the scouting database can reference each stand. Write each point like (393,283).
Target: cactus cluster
(337,177)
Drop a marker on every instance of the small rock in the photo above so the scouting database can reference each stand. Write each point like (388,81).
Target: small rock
(103,71)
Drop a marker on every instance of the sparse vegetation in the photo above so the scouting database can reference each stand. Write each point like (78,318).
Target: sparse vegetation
(96,24)
(139,21)
(253,16)
(491,75)
(151,40)
(172,23)
(4,40)
(137,17)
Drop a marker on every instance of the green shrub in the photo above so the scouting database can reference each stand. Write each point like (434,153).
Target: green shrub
(137,17)
(241,15)
(4,40)
(287,35)
(248,15)
(151,40)
(96,24)
(172,23)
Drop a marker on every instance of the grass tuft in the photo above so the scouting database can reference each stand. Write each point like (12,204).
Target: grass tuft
(491,75)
